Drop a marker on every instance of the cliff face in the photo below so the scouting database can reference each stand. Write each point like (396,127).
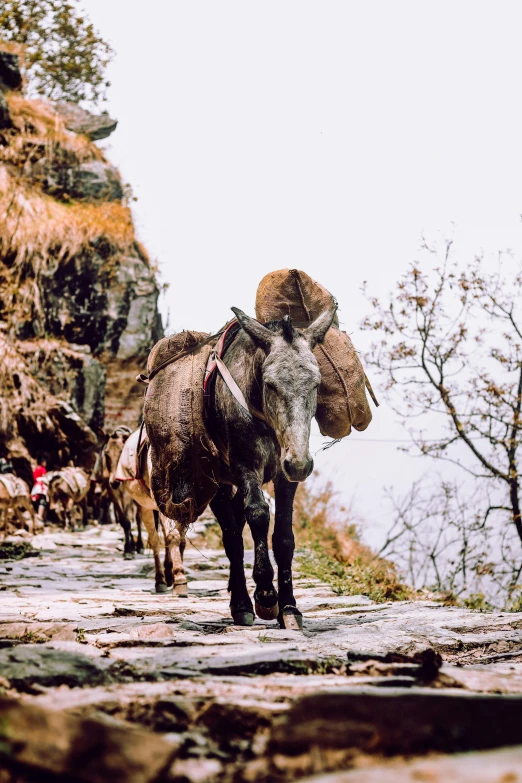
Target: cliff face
(78,294)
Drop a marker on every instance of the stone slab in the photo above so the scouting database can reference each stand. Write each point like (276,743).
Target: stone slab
(496,766)
(399,721)
(51,743)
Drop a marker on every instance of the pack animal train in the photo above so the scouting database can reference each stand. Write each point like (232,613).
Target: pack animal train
(107,491)
(67,495)
(15,503)
(125,467)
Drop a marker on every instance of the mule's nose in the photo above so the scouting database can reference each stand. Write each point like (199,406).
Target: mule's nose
(298,471)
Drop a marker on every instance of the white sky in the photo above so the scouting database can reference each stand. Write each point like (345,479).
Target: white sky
(325,136)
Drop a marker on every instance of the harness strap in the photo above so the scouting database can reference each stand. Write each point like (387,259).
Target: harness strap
(138,466)
(143,378)
(234,388)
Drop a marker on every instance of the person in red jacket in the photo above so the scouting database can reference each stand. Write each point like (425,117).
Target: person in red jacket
(40,489)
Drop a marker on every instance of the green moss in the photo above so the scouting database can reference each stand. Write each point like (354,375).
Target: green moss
(17,550)
(516,603)
(477,601)
(375,579)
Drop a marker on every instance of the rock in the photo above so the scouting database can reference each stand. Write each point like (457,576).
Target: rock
(95,126)
(497,766)
(32,665)
(14,550)
(237,697)
(256,660)
(37,633)
(82,440)
(142,314)
(49,743)
(88,392)
(66,177)
(399,721)
(94,180)
(85,281)
(70,370)
(106,307)
(10,75)
(5,117)
(196,770)
(43,543)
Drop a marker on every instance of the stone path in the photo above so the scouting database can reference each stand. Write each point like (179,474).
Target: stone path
(82,630)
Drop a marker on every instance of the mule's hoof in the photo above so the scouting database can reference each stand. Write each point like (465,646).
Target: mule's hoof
(162,588)
(267,612)
(128,555)
(243,618)
(140,551)
(291,619)
(180,589)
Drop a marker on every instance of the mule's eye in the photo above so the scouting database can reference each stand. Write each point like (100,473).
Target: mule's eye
(270,386)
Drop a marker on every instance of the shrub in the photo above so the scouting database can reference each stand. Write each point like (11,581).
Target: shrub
(63,56)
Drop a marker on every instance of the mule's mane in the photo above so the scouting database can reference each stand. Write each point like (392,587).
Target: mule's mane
(283,326)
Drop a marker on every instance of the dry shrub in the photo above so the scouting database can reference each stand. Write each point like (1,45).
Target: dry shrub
(20,391)
(37,128)
(38,234)
(325,529)
(37,226)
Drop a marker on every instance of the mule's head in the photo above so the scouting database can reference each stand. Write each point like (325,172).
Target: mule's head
(290,379)
(112,451)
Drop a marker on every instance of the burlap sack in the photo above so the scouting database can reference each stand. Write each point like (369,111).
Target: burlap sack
(341,401)
(185,462)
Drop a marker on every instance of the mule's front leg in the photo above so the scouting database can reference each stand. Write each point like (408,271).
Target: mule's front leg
(222,507)
(283,544)
(257,515)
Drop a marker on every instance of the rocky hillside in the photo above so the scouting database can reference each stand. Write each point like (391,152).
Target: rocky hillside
(78,293)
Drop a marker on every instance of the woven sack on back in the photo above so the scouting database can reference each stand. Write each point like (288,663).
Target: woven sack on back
(185,461)
(341,400)
(14,486)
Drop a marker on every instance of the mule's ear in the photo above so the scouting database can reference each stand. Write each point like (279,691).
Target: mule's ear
(259,333)
(316,332)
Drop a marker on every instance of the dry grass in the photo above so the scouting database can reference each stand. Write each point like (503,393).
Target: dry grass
(38,234)
(37,226)
(20,391)
(39,129)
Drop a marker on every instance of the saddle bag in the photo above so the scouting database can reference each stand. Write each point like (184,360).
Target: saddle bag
(185,461)
(341,400)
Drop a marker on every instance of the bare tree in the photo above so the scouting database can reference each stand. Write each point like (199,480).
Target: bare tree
(442,540)
(451,347)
